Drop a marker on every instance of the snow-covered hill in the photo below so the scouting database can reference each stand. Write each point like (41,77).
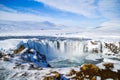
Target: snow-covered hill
(7,26)
(107,30)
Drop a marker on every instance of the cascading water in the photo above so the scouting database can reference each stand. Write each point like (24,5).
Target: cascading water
(63,53)
(66,52)
(62,48)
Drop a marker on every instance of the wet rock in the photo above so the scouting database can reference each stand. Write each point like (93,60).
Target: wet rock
(93,47)
(1,55)
(113,47)
(19,49)
(54,75)
(6,58)
(94,42)
(109,74)
(87,68)
(72,72)
(31,67)
(48,78)
(119,74)
(57,75)
(108,65)
(95,50)
(24,74)
(90,71)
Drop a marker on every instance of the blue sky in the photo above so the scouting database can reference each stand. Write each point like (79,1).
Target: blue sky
(75,13)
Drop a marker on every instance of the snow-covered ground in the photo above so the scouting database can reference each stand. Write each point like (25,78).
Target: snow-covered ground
(12,72)
(106,31)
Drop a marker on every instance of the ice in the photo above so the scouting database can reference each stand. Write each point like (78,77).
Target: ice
(11,43)
(94,57)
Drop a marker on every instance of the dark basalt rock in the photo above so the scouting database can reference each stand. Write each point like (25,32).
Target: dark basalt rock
(113,48)
(21,47)
(1,55)
(55,76)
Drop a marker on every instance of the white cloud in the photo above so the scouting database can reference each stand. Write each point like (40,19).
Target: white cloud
(21,17)
(11,16)
(110,8)
(89,8)
(81,7)
(4,8)
(111,24)
(7,13)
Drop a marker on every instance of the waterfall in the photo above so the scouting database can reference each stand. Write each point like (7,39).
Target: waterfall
(68,49)
(69,52)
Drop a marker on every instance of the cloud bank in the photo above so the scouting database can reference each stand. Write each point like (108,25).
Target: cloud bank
(88,8)
(81,7)
(92,12)
(110,8)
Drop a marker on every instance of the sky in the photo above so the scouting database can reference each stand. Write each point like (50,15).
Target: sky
(75,13)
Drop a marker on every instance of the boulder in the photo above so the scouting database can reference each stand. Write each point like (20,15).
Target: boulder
(1,55)
(108,65)
(21,47)
(112,47)
(89,71)
(71,72)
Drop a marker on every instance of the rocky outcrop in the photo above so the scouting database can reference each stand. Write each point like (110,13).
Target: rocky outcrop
(90,71)
(93,47)
(38,59)
(30,52)
(54,75)
(108,73)
(1,55)
(86,72)
(113,47)
(21,47)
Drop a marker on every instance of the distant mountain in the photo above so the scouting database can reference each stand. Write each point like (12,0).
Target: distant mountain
(27,25)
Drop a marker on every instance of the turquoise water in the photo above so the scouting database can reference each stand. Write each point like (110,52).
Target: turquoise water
(71,63)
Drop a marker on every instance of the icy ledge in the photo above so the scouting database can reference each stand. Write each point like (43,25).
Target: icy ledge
(26,53)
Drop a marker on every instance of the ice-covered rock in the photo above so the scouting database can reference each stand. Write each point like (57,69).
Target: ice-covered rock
(30,52)
(93,47)
(1,55)
(113,47)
